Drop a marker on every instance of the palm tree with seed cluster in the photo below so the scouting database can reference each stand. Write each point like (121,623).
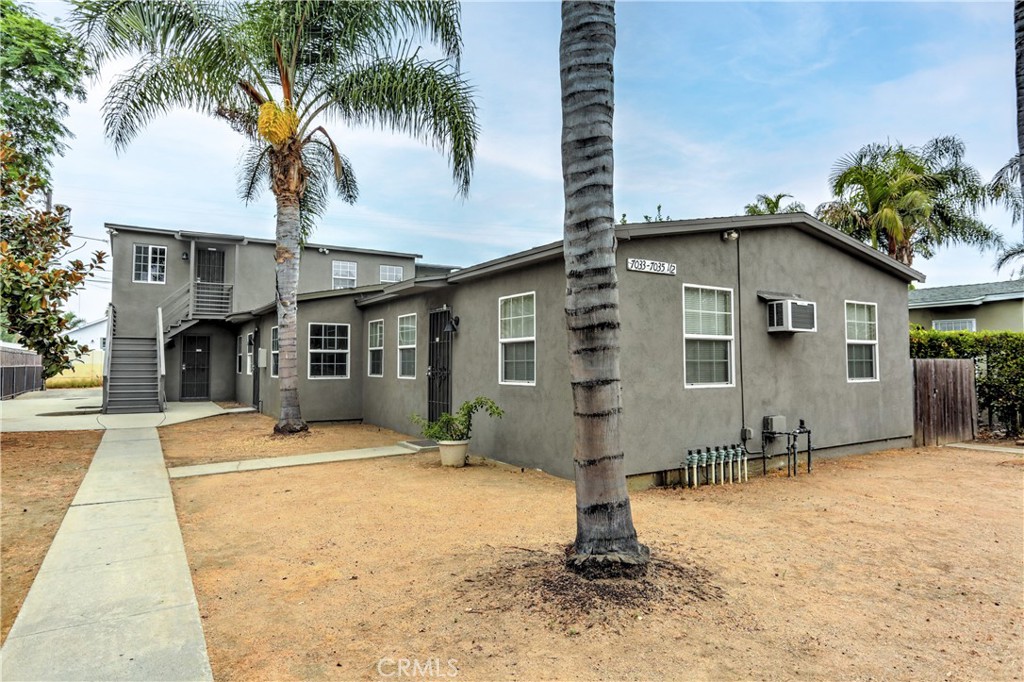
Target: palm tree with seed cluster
(278,73)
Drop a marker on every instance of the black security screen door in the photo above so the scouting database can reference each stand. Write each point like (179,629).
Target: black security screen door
(439,385)
(210,265)
(195,368)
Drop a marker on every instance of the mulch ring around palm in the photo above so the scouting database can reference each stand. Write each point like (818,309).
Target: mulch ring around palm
(536,581)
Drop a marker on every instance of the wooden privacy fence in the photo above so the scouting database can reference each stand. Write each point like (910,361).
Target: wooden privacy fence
(945,402)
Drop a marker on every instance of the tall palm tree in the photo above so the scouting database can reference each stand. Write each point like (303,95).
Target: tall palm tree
(606,542)
(909,200)
(276,72)
(769,204)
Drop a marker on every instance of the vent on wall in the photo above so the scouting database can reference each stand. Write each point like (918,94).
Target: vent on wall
(790,315)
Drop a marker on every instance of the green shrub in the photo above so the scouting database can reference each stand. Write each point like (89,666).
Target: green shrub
(999,360)
(458,426)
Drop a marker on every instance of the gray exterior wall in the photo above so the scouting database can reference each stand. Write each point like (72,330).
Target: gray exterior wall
(800,375)
(321,399)
(990,316)
(222,361)
(249,267)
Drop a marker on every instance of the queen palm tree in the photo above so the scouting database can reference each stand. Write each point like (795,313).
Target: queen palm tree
(277,72)
(909,200)
(606,542)
(769,204)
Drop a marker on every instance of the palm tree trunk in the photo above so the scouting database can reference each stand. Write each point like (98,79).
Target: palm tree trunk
(1018,32)
(288,182)
(606,542)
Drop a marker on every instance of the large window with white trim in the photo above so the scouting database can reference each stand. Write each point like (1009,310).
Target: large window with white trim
(275,352)
(517,338)
(343,274)
(707,336)
(150,264)
(375,349)
(391,273)
(963,325)
(407,346)
(328,350)
(861,341)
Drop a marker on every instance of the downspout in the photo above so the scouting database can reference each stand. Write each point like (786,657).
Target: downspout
(739,343)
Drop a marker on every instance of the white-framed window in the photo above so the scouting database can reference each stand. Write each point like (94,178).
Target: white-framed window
(708,334)
(391,273)
(275,352)
(517,339)
(968,324)
(861,341)
(407,346)
(343,274)
(150,264)
(239,354)
(328,350)
(249,339)
(375,349)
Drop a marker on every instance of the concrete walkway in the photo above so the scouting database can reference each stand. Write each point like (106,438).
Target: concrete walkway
(988,448)
(78,410)
(113,599)
(292,461)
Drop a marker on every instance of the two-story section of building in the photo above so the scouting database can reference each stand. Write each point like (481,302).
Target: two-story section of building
(177,289)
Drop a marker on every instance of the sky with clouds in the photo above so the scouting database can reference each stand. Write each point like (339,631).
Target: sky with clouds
(715,103)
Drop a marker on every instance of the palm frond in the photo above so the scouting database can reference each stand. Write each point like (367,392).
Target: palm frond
(253,174)
(1014,252)
(425,99)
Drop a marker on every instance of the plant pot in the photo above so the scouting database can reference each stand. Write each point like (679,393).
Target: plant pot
(453,452)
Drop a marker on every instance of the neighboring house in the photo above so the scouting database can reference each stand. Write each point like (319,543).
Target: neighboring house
(94,336)
(724,322)
(992,306)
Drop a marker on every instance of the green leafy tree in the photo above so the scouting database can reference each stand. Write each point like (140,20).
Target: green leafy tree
(41,66)
(909,201)
(277,72)
(768,204)
(606,541)
(35,280)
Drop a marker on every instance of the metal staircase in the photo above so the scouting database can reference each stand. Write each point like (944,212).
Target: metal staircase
(132,383)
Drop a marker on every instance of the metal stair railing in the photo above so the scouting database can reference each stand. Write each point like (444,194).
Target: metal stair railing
(108,353)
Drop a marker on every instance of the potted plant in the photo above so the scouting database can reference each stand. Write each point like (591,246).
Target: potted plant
(452,431)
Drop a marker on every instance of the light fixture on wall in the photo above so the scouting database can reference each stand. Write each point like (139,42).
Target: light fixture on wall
(324,251)
(730,235)
(184,255)
(453,325)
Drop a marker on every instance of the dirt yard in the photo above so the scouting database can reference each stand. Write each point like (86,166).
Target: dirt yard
(41,473)
(250,435)
(899,565)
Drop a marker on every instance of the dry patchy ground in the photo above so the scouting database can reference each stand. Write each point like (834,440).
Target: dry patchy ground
(250,435)
(40,475)
(898,565)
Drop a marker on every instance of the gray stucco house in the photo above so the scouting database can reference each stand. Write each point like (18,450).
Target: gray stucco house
(990,306)
(724,321)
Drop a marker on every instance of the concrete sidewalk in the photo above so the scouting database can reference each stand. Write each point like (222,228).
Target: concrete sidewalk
(293,460)
(78,410)
(113,599)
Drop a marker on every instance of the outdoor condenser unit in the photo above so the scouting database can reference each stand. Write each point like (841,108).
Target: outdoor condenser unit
(792,315)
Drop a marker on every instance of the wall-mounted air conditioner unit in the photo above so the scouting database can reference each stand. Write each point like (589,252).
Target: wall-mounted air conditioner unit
(791,315)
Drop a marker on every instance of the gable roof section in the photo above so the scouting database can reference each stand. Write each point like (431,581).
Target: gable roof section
(967,294)
(187,235)
(800,221)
